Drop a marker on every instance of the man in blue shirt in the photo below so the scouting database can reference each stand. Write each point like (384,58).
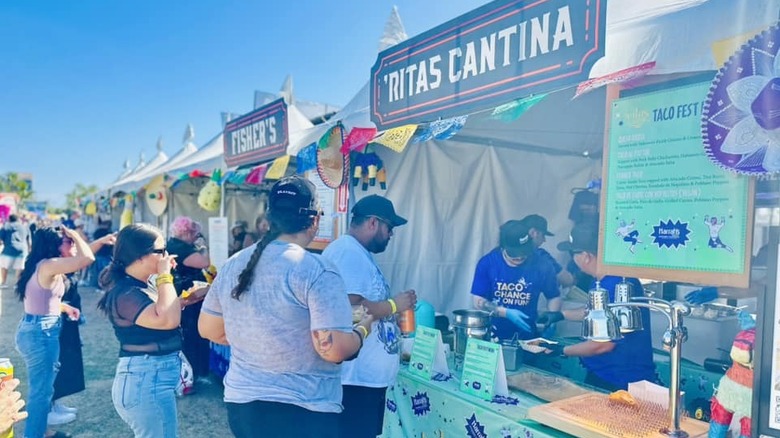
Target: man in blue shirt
(611,365)
(509,280)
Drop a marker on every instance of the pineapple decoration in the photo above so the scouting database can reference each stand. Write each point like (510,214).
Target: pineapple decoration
(127,212)
(211,194)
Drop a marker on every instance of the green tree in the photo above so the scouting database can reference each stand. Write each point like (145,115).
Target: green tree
(79,192)
(10,182)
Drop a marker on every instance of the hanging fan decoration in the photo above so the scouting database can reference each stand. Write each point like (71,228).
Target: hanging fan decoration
(126,218)
(211,194)
(332,165)
(740,123)
(156,195)
(90,209)
(369,169)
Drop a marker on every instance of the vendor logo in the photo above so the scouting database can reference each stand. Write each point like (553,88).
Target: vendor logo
(474,429)
(391,406)
(670,234)
(421,404)
(515,294)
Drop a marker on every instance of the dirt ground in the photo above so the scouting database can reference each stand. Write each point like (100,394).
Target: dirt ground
(200,415)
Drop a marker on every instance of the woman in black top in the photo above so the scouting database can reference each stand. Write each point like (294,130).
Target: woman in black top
(191,257)
(146,316)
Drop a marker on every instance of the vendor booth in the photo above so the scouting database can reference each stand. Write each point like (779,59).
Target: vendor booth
(504,112)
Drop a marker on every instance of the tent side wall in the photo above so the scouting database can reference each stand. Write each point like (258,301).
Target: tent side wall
(456,195)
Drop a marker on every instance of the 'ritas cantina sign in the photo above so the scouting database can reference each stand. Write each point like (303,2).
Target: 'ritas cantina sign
(258,136)
(501,51)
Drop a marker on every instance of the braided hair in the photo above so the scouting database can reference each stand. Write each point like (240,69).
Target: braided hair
(45,245)
(132,243)
(285,217)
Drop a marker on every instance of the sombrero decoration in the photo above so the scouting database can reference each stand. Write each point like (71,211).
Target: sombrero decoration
(156,195)
(332,165)
(741,117)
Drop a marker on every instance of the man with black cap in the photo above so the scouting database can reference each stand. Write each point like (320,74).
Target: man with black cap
(509,280)
(611,365)
(537,229)
(365,379)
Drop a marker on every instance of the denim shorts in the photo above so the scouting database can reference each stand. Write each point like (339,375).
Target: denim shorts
(144,394)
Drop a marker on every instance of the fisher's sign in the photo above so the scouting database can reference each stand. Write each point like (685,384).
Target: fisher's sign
(258,136)
(504,50)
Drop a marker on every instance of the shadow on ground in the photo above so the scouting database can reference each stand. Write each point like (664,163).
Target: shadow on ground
(200,415)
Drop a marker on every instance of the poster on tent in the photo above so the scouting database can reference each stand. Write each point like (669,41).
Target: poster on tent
(668,212)
(218,240)
(329,221)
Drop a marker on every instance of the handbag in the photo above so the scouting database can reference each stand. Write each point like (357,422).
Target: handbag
(186,377)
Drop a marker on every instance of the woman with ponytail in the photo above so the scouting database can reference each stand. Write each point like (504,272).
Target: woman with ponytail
(146,316)
(286,315)
(55,253)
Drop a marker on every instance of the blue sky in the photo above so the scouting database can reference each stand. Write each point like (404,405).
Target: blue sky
(86,84)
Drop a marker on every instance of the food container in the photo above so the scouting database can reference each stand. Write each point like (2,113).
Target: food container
(469,323)
(513,356)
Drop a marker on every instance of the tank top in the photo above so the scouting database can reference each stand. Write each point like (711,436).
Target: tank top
(41,301)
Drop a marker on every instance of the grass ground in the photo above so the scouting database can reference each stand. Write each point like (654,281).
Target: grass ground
(200,415)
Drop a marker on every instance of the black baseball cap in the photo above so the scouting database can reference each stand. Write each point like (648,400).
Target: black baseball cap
(584,237)
(537,222)
(292,194)
(514,239)
(379,206)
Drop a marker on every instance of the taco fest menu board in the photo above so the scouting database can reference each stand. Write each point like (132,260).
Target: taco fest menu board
(668,212)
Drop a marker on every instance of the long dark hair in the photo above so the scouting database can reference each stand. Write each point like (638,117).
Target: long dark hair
(45,245)
(283,219)
(132,243)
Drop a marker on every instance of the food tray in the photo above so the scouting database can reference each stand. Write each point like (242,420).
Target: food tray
(594,415)
(531,347)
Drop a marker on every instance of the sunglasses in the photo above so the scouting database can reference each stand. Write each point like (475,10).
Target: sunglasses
(67,241)
(161,251)
(384,221)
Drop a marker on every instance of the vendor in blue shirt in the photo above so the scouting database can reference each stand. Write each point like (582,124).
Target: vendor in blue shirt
(611,365)
(509,280)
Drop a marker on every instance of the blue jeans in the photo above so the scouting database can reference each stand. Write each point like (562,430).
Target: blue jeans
(144,394)
(38,341)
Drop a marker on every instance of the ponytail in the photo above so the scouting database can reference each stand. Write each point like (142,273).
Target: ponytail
(246,276)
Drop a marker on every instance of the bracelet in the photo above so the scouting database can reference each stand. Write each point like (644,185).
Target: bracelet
(362,331)
(393,306)
(163,279)
(360,337)
(62,307)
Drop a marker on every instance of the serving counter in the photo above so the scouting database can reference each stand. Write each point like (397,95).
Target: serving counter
(436,408)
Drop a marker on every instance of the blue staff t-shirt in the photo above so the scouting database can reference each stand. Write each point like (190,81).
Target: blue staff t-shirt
(514,288)
(632,358)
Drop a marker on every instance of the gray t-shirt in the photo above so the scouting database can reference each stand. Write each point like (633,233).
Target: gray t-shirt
(14,236)
(269,329)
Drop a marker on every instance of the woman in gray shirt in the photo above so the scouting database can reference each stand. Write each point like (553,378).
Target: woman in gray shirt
(285,314)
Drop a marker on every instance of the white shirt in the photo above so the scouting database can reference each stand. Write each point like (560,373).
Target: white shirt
(377,364)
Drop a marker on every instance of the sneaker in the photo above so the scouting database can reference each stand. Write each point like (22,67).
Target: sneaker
(62,409)
(58,419)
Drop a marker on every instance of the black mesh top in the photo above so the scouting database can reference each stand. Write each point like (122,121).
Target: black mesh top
(125,302)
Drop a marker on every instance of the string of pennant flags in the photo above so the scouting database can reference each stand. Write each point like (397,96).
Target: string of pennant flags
(366,170)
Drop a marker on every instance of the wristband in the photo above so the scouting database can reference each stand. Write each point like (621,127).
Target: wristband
(362,331)
(163,279)
(360,337)
(393,306)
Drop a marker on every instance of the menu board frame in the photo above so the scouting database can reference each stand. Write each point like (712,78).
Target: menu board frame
(608,229)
